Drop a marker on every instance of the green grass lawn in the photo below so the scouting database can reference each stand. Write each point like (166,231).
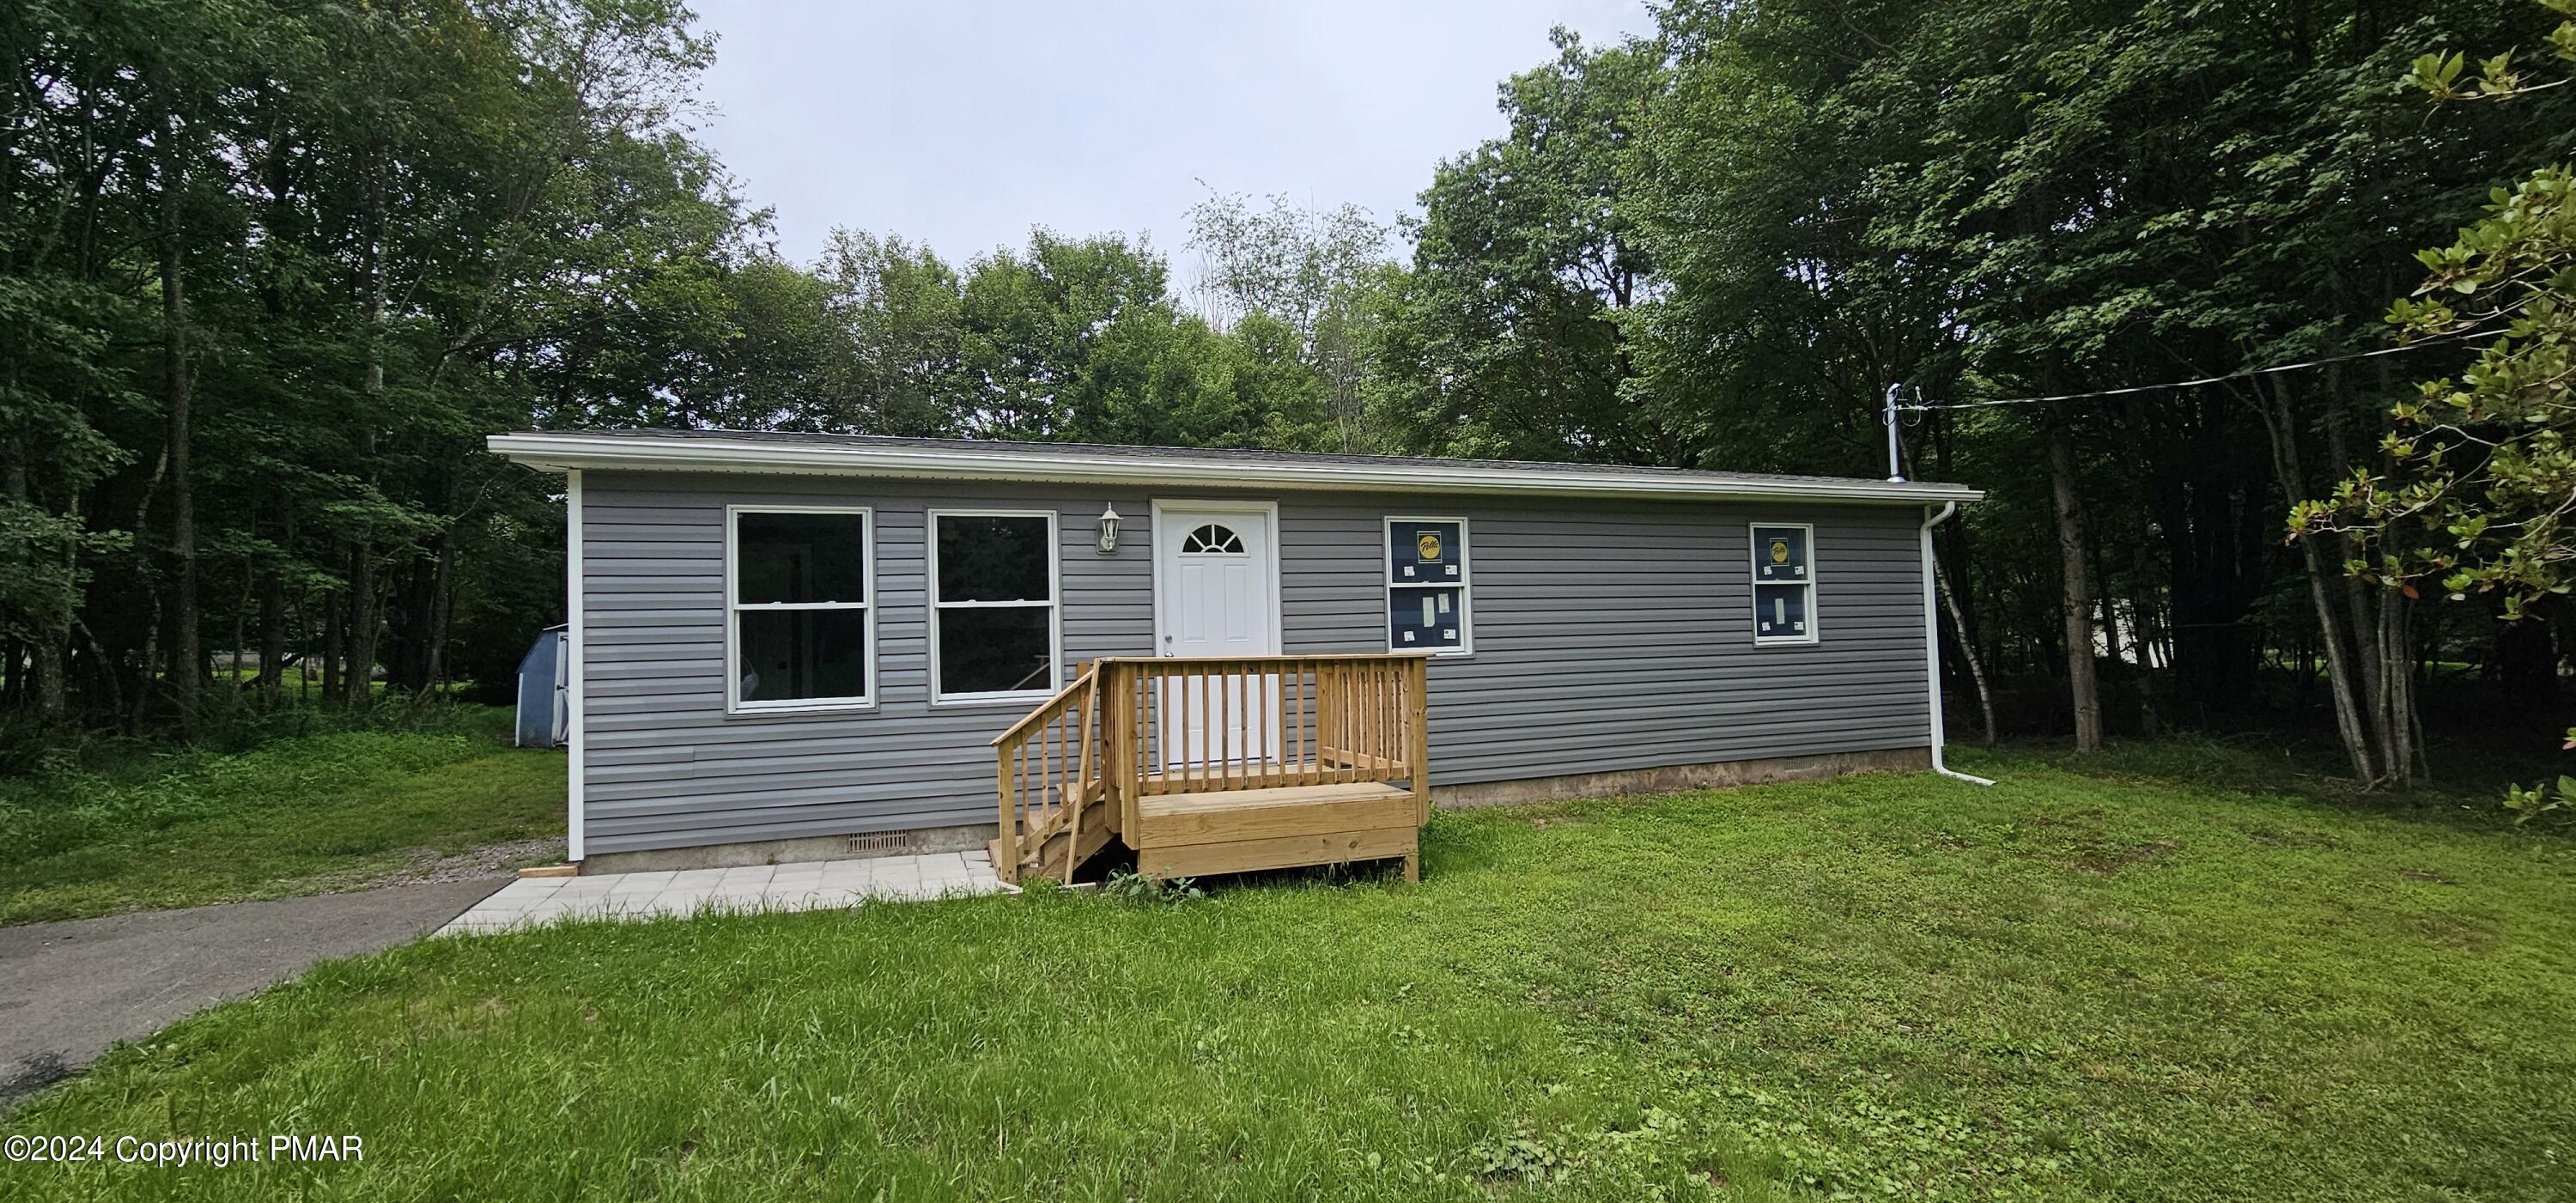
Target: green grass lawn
(2069,987)
(299,815)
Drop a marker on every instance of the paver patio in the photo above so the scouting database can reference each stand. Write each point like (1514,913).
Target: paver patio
(795,886)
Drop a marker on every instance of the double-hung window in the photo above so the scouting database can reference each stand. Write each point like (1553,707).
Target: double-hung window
(993,631)
(800,619)
(1784,583)
(1426,586)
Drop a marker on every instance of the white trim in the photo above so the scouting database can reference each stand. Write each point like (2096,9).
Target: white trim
(1270,514)
(1753,566)
(1465,584)
(1054,605)
(1932,650)
(560,451)
(733,607)
(576,738)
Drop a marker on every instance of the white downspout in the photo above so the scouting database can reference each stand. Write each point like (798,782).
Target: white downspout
(577,646)
(1932,648)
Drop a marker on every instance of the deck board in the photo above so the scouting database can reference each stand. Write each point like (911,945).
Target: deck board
(1231,816)
(1238,856)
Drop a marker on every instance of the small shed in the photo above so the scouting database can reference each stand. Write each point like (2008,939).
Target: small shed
(544,715)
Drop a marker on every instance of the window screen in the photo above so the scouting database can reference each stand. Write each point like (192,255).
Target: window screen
(801,628)
(1426,585)
(994,616)
(1784,585)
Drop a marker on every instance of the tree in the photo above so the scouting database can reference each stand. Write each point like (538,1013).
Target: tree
(901,311)
(2005,199)
(1312,271)
(269,275)
(1507,339)
(2479,493)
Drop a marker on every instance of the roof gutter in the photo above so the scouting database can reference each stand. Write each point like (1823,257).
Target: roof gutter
(568,452)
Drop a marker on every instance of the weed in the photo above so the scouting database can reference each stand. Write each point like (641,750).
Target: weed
(1129,886)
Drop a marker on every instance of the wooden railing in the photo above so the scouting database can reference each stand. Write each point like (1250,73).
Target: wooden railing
(1048,771)
(1134,727)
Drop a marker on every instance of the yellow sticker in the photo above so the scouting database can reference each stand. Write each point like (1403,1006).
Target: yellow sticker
(1427,545)
(1779,551)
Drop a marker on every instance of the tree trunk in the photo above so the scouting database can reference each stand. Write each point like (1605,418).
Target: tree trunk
(358,641)
(410,615)
(272,636)
(182,667)
(335,640)
(2393,712)
(1960,628)
(2083,688)
(2111,673)
(49,640)
(442,602)
(241,622)
(2341,679)
(304,669)
(1967,652)
(2356,595)
(363,616)
(2143,622)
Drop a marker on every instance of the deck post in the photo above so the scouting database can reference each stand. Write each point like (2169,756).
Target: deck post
(1079,797)
(1115,695)
(1006,842)
(1417,729)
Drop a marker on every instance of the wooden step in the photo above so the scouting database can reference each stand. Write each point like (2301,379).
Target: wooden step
(1049,858)
(1281,852)
(1231,816)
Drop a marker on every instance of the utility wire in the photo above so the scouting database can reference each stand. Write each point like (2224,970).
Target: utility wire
(2439,340)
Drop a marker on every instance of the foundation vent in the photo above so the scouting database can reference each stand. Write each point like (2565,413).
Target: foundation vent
(891,843)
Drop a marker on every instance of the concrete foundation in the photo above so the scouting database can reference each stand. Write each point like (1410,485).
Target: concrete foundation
(1678,777)
(972,837)
(975,836)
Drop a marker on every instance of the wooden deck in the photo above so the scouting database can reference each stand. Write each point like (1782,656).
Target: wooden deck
(1219,766)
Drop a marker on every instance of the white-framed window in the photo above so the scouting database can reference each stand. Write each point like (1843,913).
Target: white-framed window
(800,608)
(1784,582)
(994,630)
(1427,582)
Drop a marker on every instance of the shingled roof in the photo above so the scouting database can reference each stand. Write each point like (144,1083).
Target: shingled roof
(985,459)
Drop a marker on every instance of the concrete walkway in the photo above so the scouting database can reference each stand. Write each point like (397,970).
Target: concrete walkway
(70,989)
(795,886)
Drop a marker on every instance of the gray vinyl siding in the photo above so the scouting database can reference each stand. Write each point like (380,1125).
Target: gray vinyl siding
(1614,636)
(667,767)
(1607,635)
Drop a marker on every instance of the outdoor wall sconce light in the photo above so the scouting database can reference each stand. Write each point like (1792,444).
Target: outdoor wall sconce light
(1108,530)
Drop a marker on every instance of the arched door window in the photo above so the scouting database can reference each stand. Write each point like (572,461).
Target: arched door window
(1213,538)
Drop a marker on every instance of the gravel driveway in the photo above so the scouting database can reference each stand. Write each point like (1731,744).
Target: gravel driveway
(70,989)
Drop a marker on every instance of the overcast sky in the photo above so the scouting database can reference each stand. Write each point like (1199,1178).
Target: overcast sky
(963,124)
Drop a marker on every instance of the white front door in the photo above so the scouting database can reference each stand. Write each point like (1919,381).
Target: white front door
(1215,596)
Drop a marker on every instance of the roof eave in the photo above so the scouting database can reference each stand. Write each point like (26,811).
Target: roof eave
(561,452)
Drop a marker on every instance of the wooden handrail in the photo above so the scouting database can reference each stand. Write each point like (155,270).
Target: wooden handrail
(1213,724)
(1267,661)
(1129,727)
(1081,681)
(1065,772)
